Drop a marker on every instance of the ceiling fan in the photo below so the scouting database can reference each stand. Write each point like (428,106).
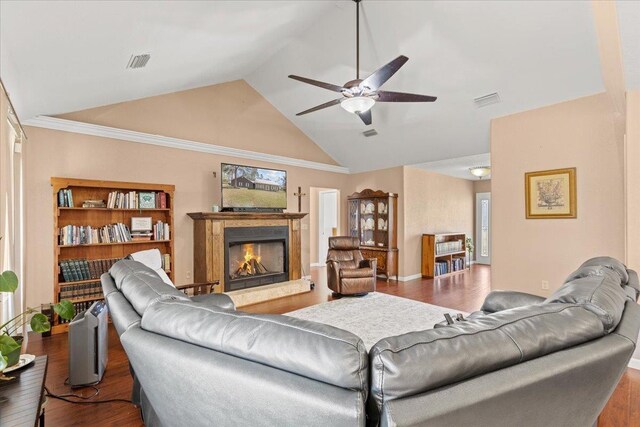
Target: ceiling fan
(358,96)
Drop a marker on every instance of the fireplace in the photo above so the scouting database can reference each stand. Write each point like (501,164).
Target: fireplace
(255,256)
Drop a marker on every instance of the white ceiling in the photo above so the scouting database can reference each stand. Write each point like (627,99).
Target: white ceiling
(457,167)
(63,56)
(629,22)
(57,57)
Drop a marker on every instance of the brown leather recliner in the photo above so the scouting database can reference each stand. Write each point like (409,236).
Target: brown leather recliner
(348,273)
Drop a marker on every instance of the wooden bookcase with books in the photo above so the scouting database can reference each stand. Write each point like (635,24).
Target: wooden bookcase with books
(92,228)
(443,254)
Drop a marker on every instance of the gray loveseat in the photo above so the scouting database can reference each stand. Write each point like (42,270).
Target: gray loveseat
(521,360)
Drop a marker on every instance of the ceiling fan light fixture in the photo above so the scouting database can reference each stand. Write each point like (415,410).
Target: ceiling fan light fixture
(480,171)
(357,104)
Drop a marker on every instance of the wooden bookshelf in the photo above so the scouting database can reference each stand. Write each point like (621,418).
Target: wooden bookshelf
(84,189)
(444,248)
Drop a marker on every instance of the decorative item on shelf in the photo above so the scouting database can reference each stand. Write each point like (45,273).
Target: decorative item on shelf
(94,204)
(382,208)
(369,224)
(470,248)
(299,195)
(551,194)
(370,208)
(141,228)
(147,200)
(10,341)
(480,171)
(215,208)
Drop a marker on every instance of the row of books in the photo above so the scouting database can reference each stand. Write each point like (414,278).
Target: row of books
(137,200)
(80,307)
(65,198)
(74,270)
(161,231)
(446,247)
(444,267)
(166,262)
(81,290)
(85,235)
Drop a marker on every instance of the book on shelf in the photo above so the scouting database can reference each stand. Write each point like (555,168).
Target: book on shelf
(137,200)
(447,247)
(94,204)
(81,290)
(75,270)
(161,231)
(166,262)
(71,235)
(65,198)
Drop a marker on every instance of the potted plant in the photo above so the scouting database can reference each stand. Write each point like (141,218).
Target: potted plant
(470,248)
(10,345)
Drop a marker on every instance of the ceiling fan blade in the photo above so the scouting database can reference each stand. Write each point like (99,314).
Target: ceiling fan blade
(384,73)
(386,96)
(321,106)
(318,83)
(366,116)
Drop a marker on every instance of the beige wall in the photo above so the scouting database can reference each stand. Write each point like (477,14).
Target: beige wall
(246,121)
(434,203)
(482,186)
(578,133)
(230,114)
(633,179)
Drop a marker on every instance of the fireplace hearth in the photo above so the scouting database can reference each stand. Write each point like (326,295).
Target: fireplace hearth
(255,256)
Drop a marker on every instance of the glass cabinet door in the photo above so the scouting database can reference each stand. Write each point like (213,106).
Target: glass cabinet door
(367,222)
(354,218)
(382,222)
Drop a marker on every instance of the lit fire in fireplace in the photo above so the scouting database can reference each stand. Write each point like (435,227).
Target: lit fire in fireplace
(250,265)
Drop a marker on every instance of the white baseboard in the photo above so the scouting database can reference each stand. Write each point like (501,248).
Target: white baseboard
(407,278)
(634,363)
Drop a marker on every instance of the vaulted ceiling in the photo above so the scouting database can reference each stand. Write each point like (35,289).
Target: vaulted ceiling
(57,57)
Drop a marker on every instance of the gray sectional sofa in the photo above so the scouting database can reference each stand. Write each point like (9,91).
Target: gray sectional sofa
(521,360)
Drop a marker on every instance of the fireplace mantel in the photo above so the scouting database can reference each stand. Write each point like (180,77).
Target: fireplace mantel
(209,244)
(246,215)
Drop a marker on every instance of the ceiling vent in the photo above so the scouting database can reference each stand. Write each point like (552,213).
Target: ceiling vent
(483,101)
(370,132)
(138,61)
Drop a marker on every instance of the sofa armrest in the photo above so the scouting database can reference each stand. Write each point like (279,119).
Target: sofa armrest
(218,300)
(504,300)
(368,263)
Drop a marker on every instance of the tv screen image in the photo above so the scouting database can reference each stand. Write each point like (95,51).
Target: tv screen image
(252,187)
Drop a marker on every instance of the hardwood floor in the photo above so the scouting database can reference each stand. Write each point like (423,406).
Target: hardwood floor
(464,292)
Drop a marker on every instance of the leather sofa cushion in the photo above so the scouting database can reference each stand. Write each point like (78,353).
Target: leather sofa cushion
(607,262)
(141,286)
(356,272)
(505,300)
(634,282)
(596,288)
(417,362)
(313,350)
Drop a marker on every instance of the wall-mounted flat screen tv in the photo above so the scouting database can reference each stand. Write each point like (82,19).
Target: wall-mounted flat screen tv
(249,187)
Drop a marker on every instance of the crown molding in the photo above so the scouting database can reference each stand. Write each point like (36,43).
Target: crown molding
(167,141)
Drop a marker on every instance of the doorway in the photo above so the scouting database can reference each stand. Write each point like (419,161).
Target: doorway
(483,228)
(327,221)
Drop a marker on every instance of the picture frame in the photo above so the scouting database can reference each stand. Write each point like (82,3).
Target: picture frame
(144,223)
(147,199)
(551,194)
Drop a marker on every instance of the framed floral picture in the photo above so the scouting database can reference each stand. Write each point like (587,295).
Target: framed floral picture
(551,194)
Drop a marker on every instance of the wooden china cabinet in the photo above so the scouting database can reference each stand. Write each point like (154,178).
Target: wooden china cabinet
(373,219)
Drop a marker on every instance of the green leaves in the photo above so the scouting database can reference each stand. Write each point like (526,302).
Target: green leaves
(7,345)
(40,323)
(65,309)
(8,281)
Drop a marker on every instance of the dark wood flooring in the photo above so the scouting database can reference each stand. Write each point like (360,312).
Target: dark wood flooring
(464,292)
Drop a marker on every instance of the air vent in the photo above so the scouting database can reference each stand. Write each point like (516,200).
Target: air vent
(483,101)
(370,132)
(138,61)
